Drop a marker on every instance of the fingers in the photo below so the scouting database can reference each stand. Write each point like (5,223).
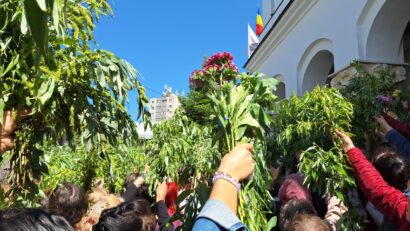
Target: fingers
(340,134)
(249,147)
(24,114)
(333,136)
(6,143)
(378,118)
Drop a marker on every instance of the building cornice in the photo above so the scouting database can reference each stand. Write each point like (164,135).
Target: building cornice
(285,23)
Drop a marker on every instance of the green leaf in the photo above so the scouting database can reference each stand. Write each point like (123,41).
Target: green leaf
(42,5)
(23,25)
(1,111)
(182,196)
(56,15)
(37,20)
(249,121)
(46,90)
(10,65)
(240,132)
(272,223)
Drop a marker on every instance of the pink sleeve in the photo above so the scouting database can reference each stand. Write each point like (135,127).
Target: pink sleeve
(335,211)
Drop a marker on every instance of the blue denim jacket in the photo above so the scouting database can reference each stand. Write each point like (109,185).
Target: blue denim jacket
(402,144)
(216,216)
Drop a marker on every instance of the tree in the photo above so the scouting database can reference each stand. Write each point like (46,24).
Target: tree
(196,106)
(47,64)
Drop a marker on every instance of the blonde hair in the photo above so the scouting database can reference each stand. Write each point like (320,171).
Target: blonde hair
(306,222)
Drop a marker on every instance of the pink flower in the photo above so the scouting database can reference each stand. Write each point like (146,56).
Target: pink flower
(214,66)
(219,58)
(216,63)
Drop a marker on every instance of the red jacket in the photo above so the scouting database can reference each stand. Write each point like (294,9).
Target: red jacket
(388,200)
(402,127)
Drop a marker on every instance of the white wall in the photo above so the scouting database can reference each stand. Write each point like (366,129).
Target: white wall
(350,29)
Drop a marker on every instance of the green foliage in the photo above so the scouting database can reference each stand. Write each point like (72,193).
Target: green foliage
(327,172)
(362,92)
(312,118)
(82,168)
(74,166)
(303,129)
(262,88)
(240,112)
(195,199)
(189,153)
(47,64)
(183,151)
(180,145)
(196,106)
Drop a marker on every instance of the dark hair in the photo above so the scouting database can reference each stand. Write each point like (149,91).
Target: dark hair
(130,179)
(69,201)
(132,192)
(394,169)
(128,216)
(307,222)
(32,220)
(136,192)
(292,208)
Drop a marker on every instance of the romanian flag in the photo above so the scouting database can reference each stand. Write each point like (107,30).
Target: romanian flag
(259,23)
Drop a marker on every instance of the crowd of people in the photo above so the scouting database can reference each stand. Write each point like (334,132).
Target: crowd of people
(383,195)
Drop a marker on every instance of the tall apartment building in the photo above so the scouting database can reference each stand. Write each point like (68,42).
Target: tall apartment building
(164,107)
(309,43)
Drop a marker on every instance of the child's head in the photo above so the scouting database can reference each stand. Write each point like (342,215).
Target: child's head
(293,188)
(291,209)
(394,169)
(142,191)
(134,215)
(307,222)
(129,179)
(32,219)
(69,201)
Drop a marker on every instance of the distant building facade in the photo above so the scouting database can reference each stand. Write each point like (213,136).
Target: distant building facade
(309,43)
(144,133)
(164,107)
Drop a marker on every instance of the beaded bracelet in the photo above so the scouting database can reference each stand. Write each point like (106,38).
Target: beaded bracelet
(227,177)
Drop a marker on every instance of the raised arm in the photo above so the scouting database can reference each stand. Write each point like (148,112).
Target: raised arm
(402,127)
(219,212)
(387,199)
(395,137)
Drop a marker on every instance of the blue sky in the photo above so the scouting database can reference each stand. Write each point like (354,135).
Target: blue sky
(166,40)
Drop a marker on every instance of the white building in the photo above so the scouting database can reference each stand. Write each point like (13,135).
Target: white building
(164,107)
(143,133)
(306,41)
